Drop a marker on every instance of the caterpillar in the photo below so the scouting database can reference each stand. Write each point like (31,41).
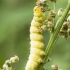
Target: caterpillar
(36,43)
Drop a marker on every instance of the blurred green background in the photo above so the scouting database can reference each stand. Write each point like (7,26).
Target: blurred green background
(15,19)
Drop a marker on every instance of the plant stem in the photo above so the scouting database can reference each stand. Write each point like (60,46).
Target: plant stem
(54,36)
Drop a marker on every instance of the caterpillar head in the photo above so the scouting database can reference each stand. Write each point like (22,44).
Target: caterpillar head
(38,12)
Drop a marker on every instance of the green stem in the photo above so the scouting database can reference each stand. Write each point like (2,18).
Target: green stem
(54,36)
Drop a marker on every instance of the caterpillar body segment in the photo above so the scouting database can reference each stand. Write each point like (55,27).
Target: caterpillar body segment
(38,19)
(31,65)
(34,29)
(36,58)
(36,37)
(36,43)
(37,51)
(35,23)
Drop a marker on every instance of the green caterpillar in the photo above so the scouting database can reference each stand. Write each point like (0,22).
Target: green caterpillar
(36,37)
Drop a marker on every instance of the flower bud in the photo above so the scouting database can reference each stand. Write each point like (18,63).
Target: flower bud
(68,32)
(5,66)
(52,13)
(68,13)
(68,19)
(65,26)
(54,67)
(44,27)
(14,59)
(60,11)
(7,62)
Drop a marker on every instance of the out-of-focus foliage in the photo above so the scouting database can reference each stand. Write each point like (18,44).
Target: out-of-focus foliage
(15,18)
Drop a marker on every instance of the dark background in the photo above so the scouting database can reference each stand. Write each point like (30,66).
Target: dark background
(15,19)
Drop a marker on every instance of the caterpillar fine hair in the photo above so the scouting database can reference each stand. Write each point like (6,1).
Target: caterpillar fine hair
(36,37)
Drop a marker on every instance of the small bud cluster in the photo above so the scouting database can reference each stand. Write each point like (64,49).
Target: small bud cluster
(48,59)
(68,19)
(14,59)
(7,65)
(54,67)
(52,14)
(48,25)
(65,29)
(42,4)
(60,11)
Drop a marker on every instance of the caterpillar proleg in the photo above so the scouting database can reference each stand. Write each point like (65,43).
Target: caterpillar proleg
(36,43)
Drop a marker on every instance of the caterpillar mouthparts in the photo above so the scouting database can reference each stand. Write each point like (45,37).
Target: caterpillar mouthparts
(36,43)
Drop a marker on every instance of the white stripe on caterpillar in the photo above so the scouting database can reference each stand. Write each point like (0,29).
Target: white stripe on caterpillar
(36,37)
